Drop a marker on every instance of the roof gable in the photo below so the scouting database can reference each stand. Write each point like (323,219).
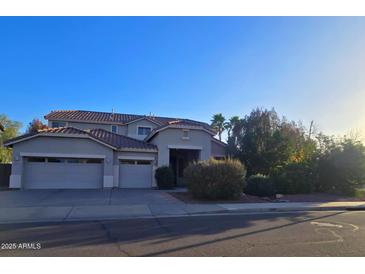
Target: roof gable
(184,123)
(218,142)
(154,121)
(121,141)
(112,140)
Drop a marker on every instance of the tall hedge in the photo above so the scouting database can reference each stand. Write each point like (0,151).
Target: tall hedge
(294,178)
(342,169)
(215,179)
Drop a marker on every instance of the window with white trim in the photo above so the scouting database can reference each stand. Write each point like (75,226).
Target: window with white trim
(144,131)
(114,129)
(58,124)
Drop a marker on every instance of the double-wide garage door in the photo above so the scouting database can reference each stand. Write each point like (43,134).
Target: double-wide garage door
(62,173)
(135,174)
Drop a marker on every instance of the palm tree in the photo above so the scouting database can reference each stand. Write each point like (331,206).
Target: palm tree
(218,124)
(231,124)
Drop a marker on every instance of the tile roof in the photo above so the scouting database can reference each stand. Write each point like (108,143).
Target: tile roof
(115,140)
(120,141)
(183,123)
(94,116)
(61,130)
(219,142)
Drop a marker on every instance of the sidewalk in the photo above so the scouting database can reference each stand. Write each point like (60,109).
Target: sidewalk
(104,212)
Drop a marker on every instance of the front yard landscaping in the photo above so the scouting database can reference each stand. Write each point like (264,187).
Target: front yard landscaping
(225,181)
(187,197)
(284,157)
(270,156)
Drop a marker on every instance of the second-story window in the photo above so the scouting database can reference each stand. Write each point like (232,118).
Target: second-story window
(144,130)
(114,129)
(58,124)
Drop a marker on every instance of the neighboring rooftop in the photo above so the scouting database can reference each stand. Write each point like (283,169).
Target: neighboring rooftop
(115,140)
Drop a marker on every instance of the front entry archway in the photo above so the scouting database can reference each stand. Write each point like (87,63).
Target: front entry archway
(179,160)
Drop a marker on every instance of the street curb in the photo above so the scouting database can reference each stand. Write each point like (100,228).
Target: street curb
(283,209)
(286,209)
(191,214)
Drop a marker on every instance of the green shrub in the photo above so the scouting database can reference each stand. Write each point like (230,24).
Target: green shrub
(342,169)
(215,179)
(165,177)
(260,185)
(294,178)
(359,193)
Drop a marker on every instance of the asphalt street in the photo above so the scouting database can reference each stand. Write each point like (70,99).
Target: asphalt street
(330,233)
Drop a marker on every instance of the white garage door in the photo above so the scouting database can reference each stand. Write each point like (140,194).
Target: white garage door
(61,173)
(135,174)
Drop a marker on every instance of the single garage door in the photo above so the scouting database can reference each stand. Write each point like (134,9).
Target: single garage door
(135,174)
(62,173)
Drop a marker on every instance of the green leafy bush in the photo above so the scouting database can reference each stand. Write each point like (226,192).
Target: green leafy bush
(260,185)
(359,193)
(342,168)
(165,177)
(294,178)
(215,179)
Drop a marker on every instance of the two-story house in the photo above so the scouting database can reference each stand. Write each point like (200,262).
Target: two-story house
(88,149)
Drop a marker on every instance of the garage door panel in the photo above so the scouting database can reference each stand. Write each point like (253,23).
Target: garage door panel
(135,176)
(62,175)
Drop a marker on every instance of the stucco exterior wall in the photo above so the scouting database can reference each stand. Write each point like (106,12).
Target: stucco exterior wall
(58,147)
(132,128)
(172,138)
(128,130)
(218,150)
(120,129)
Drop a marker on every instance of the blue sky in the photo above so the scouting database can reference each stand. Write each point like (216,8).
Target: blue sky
(307,68)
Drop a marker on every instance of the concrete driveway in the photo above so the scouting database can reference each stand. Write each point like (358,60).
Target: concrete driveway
(84,197)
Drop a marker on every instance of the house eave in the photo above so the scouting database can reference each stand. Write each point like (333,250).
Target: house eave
(85,122)
(59,135)
(149,137)
(219,142)
(102,122)
(143,118)
(137,150)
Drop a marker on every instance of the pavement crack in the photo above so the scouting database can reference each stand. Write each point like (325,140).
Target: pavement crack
(68,214)
(112,239)
(163,227)
(110,196)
